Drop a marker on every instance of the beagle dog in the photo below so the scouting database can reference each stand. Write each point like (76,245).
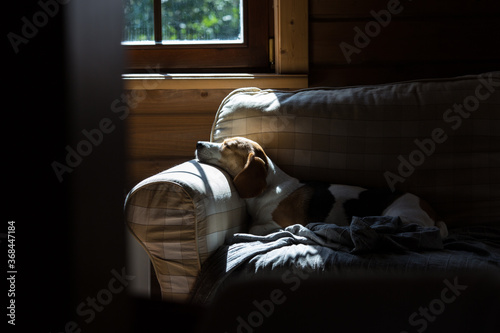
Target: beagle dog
(276,200)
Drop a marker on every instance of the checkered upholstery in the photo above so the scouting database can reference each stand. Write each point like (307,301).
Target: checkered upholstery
(447,131)
(180,216)
(439,139)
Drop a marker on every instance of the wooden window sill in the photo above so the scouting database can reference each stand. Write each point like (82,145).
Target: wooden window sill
(214,81)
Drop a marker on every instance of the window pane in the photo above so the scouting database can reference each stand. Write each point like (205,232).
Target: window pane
(139,21)
(202,21)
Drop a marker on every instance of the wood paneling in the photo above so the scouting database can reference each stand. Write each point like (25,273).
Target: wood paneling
(164,126)
(160,136)
(187,101)
(291,36)
(324,9)
(350,75)
(422,40)
(377,41)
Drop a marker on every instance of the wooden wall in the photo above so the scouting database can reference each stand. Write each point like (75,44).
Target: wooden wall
(420,39)
(164,127)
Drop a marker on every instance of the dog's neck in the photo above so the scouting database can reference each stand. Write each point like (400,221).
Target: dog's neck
(278,181)
(279,186)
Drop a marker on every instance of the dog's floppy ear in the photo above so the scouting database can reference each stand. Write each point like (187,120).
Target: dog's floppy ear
(251,181)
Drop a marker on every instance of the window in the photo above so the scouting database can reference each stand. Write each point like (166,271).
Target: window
(183,22)
(198,35)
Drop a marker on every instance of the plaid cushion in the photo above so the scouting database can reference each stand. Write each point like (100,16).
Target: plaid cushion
(180,216)
(439,139)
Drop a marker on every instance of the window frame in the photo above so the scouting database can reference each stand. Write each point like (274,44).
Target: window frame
(250,56)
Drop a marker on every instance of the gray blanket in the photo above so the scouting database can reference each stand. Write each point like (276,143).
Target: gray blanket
(370,244)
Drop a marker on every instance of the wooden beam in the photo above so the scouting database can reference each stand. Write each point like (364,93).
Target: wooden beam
(291,35)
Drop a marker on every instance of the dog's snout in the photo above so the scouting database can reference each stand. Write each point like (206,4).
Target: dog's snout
(202,145)
(207,152)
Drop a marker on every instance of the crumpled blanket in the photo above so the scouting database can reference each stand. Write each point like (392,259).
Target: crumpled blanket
(376,233)
(365,234)
(373,244)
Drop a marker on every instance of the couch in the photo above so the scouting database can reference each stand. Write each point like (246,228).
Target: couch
(437,138)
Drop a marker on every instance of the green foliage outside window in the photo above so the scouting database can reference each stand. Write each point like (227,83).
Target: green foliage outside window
(184,20)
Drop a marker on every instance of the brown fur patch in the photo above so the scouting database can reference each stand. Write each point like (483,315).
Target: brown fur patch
(293,209)
(251,181)
(235,153)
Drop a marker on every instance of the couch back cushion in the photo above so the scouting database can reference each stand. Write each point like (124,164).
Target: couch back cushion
(439,139)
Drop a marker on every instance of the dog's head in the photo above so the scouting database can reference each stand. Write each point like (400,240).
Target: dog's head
(242,158)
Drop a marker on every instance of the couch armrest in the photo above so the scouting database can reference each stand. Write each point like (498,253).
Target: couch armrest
(180,216)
